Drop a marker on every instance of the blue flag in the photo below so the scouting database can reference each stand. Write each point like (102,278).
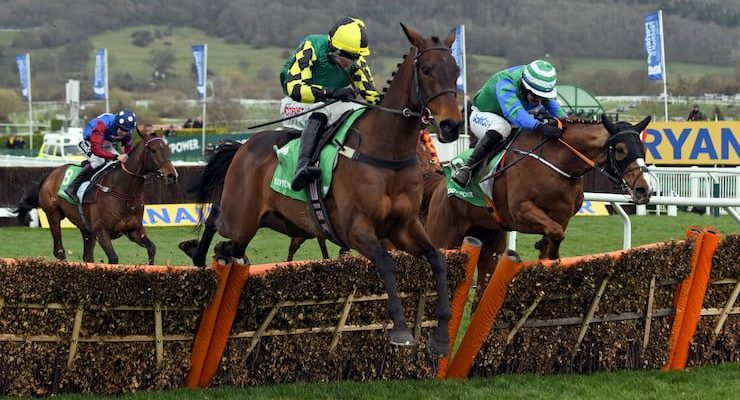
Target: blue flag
(24,71)
(199,53)
(654,45)
(458,51)
(99,81)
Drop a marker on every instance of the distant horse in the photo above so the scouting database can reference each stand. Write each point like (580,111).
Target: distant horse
(118,205)
(538,191)
(373,196)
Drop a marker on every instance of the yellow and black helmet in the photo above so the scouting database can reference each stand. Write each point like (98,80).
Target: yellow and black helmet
(350,35)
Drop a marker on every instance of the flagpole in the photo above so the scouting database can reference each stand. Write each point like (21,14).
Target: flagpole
(662,57)
(205,93)
(107,95)
(465,86)
(30,101)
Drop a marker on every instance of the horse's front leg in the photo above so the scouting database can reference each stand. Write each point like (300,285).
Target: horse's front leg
(363,238)
(103,236)
(529,217)
(413,239)
(139,237)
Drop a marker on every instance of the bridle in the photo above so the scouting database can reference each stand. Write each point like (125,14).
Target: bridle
(617,168)
(156,173)
(424,113)
(614,171)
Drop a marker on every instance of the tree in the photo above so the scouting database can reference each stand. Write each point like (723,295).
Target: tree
(162,60)
(10,102)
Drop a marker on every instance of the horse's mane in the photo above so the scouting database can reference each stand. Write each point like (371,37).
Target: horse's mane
(393,74)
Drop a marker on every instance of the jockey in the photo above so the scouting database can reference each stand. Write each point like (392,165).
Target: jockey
(506,99)
(319,70)
(100,137)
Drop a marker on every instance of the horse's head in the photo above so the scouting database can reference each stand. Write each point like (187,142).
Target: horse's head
(157,156)
(434,79)
(626,157)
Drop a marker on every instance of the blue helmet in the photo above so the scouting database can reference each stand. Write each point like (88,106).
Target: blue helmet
(126,120)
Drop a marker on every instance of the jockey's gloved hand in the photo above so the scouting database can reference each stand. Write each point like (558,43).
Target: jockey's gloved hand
(549,131)
(342,94)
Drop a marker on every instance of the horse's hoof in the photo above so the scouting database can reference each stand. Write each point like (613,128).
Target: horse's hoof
(188,246)
(402,337)
(438,346)
(223,250)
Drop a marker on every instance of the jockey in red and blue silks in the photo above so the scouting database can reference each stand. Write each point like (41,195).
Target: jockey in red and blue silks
(100,137)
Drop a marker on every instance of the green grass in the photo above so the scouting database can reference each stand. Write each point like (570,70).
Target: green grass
(589,65)
(710,382)
(585,235)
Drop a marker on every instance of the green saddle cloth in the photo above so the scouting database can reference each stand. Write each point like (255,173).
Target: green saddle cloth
(288,159)
(69,175)
(473,193)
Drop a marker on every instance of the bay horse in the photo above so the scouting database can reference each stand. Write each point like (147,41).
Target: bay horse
(118,205)
(532,197)
(368,200)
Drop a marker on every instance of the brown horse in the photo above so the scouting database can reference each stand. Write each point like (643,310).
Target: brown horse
(375,195)
(532,197)
(118,205)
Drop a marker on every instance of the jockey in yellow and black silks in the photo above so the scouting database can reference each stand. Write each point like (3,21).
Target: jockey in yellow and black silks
(320,70)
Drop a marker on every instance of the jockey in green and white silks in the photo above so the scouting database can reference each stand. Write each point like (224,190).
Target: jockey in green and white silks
(506,100)
(319,70)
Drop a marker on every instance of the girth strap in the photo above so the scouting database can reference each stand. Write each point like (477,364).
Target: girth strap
(319,212)
(395,165)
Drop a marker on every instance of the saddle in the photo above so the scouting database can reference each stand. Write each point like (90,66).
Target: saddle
(326,153)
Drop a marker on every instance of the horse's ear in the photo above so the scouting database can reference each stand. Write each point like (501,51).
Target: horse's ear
(450,38)
(643,124)
(608,124)
(414,37)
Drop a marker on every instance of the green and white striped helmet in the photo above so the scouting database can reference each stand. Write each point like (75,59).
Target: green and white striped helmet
(540,77)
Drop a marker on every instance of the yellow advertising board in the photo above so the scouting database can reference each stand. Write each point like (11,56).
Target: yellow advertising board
(693,143)
(189,214)
(155,215)
(592,208)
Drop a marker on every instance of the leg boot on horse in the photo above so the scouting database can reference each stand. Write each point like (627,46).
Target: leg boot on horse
(310,136)
(85,174)
(485,147)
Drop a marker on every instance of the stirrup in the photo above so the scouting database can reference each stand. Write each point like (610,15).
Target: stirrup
(459,180)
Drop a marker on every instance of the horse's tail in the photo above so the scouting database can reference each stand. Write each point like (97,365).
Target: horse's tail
(30,201)
(214,172)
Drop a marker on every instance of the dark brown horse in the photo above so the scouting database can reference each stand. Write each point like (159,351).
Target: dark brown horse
(532,197)
(116,210)
(368,201)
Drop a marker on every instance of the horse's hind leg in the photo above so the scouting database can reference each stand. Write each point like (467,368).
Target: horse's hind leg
(295,244)
(196,249)
(413,239)
(55,219)
(494,244)
(362,237)
(139,237)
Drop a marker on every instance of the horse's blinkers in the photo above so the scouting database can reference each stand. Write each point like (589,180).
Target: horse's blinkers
(635,150)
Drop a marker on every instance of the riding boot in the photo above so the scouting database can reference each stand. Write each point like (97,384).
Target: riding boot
(482,150)
(310,136)
(84,175)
